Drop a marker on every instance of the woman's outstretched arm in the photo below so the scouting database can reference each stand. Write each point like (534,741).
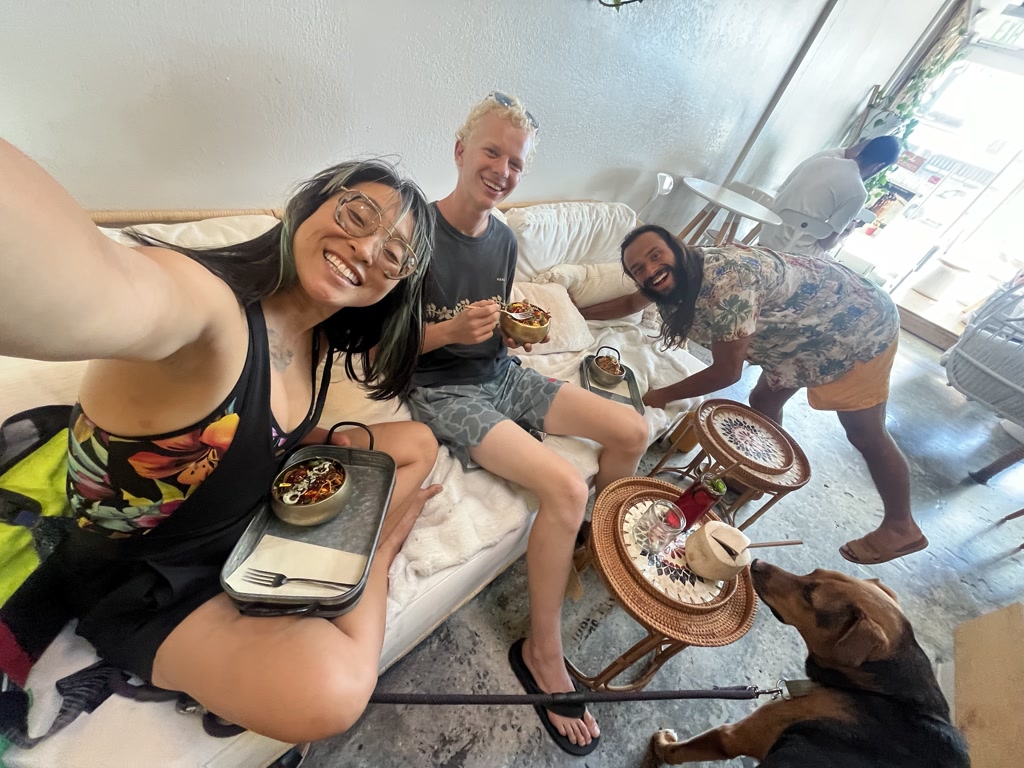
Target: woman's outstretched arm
(70,293)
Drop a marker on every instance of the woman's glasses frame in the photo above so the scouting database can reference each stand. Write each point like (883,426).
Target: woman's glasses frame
(392,272)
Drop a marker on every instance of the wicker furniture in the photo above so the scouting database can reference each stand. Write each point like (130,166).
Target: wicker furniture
(720,613)
(744,447)
(987,365)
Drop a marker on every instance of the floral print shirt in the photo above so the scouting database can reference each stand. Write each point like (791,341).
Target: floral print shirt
(809,319)
(125,486)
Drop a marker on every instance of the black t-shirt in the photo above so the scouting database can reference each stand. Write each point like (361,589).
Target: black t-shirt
(464,270)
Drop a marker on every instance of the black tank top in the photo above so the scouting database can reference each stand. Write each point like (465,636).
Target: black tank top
(224,502)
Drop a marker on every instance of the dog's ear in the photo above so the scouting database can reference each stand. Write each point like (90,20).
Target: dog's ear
(862,638)
(884,588)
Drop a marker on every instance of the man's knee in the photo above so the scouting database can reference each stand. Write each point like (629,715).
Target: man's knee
(632,436)
(563,492)
(762,398)
(866,437)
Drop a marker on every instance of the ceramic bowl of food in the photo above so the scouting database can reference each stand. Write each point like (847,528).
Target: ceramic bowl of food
(311,491)
(606,368)
(529,330)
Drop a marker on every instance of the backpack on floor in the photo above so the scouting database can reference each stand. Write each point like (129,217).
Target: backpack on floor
(34,508)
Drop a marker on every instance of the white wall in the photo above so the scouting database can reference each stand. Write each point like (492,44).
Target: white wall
(862,44)
(226,103)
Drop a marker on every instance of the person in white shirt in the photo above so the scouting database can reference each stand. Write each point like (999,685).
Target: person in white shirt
(829,187)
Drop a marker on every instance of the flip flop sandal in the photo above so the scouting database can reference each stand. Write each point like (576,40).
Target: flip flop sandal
(862,552)
(526,679)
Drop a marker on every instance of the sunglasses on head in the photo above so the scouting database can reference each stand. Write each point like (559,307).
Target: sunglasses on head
(506,101)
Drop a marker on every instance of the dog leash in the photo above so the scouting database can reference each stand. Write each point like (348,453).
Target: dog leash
(785,689)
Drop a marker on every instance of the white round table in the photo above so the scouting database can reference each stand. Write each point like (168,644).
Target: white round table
(739,207)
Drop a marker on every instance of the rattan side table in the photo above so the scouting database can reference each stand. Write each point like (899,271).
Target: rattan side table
(740,444)
(670,626)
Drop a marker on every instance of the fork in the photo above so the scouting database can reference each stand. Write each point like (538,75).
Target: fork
(518,315)
(274,580)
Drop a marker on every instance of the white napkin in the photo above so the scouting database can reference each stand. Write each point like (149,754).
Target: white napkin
(622,388)
(297,558)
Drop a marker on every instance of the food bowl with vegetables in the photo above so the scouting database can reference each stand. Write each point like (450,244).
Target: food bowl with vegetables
(606,368)
(524,323)
(311,491)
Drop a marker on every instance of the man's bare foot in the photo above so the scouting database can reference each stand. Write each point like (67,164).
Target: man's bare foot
(400,519)
(554,678)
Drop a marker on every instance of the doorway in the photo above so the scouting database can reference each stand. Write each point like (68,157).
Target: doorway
(954,225)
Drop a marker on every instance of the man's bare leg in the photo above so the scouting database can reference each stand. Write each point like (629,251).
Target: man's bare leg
(621,431)
(510,452)
(768,401)
(890,472)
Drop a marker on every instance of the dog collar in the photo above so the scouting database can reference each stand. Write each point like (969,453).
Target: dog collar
(794,689)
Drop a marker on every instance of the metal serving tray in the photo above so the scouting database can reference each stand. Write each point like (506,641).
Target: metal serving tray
(356,530)
(635,399)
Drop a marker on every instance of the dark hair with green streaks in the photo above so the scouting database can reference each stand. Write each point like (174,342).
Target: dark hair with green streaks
(392,328)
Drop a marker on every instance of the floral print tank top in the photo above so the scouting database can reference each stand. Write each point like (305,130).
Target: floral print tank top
(122,487)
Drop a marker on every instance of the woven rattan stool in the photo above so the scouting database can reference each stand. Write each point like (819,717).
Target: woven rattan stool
(671,625)
(739,444)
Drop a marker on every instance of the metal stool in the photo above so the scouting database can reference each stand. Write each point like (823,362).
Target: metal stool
(739,444)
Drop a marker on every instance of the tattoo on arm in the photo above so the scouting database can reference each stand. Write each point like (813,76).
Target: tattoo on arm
(281,354)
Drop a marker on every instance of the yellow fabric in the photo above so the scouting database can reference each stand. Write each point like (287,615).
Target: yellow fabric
(40,476)
(865,386)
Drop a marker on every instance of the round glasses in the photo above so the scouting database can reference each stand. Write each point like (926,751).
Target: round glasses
(359,216)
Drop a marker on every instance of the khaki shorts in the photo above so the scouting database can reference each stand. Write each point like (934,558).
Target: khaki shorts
(864,386)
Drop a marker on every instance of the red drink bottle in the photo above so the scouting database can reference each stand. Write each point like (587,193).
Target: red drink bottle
(701,496)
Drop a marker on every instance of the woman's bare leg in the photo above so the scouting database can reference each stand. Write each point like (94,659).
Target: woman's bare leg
(300,679)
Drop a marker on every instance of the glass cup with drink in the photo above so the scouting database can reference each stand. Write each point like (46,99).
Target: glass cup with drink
(663,521)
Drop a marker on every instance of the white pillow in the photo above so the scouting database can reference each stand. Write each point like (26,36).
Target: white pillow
(591,284)
(651,318)
(118,236)
(568,233)
(569,331)
(208,233)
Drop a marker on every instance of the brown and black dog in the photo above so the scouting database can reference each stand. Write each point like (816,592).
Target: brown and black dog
(876,702)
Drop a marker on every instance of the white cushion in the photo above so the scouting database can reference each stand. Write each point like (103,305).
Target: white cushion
(209,233)
(568,233)
(651,318)
(590,284)
(118,236)
(569,331)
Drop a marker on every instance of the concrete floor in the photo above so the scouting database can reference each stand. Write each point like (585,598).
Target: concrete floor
(969,569)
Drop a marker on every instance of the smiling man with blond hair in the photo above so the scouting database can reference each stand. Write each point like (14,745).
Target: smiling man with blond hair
(483,405)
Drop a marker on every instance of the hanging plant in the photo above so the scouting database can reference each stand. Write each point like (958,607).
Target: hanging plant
(907,100)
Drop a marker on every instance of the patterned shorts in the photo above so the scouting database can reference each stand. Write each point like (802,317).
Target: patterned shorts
(461,415)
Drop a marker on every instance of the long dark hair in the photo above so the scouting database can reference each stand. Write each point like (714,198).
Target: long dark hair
(264,265)
(678,308)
